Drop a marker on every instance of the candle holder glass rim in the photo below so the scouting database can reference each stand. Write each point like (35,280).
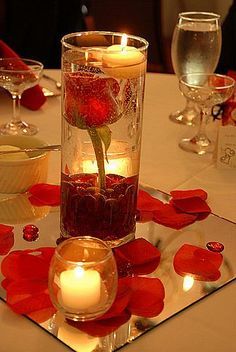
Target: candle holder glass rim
(26,61)
(105,33)
(189,16)
(84,238)
(184,80)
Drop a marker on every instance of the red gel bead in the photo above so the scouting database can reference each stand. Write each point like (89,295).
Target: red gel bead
(215,246)
(30,233)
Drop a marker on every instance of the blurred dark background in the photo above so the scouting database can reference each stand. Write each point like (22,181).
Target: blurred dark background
(34,28)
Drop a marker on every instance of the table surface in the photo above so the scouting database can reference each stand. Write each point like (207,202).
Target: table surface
(208,324)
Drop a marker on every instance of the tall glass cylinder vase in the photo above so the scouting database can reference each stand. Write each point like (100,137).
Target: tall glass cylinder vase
(103,76)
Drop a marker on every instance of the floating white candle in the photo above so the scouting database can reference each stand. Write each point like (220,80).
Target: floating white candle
(80,289)
(122,61)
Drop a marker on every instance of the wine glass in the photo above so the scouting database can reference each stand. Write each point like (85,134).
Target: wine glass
(196,46)
(17,75)
(206,90)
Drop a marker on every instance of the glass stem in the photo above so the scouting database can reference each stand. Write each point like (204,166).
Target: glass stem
(201,135)
(16,98)
(190,105)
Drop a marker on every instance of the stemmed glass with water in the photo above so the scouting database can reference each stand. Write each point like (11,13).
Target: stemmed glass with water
(196,47)
(206,90)
(17,75)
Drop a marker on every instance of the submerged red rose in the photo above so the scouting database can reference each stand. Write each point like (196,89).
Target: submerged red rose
(89,100)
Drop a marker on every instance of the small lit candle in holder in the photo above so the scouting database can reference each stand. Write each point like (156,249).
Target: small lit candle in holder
(80,289)
(83,278)
(123,61)
(119,162)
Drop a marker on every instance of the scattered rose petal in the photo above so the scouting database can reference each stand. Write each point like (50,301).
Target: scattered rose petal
(186,194)
(42,315)
(171,217)
(27,264)
(202,264)
(147,299)
(192,205)
(139,256)
(6,239)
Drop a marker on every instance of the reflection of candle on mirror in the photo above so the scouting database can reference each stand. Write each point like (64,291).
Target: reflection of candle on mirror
(80,289)
(123,61)
(188,283)
(76,339)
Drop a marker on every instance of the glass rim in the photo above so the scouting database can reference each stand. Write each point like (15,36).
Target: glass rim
(229,85)
(118,34)
(81,263)
(187,16)
(22,60)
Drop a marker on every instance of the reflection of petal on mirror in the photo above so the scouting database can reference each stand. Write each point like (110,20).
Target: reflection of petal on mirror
(16,209)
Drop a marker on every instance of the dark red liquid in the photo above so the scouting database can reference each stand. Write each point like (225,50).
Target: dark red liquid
(107,214)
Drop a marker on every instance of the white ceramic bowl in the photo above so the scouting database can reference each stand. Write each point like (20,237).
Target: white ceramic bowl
(16,176)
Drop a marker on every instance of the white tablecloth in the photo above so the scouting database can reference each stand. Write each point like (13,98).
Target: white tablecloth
(208,325)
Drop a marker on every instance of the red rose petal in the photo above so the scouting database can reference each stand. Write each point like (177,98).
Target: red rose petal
(202,264)
(5,283)
(147,203)
(192,205)
(121,301)
(29,304)
(5,229)
(147,296)
(185,194)
(170,217)
(140,255)
(6,239)
(44,194)
(28,264)
(42,315)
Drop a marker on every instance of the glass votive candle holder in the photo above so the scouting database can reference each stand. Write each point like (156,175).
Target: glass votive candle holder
(83,278)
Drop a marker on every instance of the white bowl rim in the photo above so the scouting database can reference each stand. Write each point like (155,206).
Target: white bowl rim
(23,161)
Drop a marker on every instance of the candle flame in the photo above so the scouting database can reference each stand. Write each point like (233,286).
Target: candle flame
(124,40)
(79,271)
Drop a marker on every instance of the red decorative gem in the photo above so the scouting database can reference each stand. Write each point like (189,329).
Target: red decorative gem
(215,247)
(30,233)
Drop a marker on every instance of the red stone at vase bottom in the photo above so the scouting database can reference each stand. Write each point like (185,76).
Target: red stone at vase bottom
(108,214)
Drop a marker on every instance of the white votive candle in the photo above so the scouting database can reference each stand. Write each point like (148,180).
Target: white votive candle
(123,61)
(80,289)
(119,166)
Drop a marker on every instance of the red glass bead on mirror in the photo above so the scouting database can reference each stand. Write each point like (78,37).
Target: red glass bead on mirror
(215,247)
(30,233)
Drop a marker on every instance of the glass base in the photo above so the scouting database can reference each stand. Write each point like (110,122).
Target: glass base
(111,243)
(189,117)
(197,147)
(20,128)
(120,241)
